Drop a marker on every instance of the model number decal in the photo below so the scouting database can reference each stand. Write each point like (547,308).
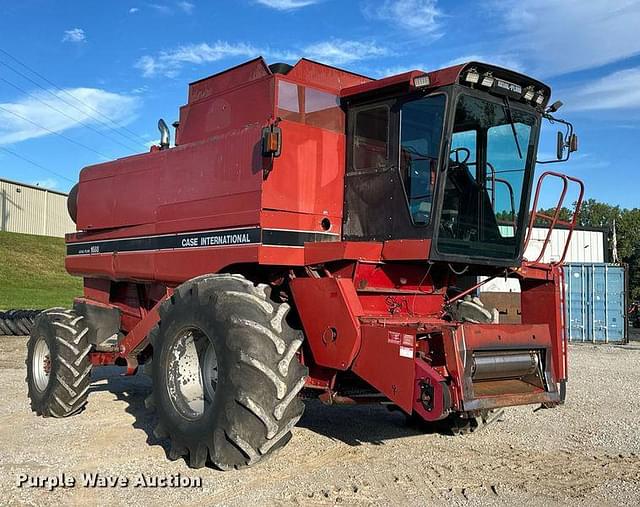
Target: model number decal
(225,239)
(204,239)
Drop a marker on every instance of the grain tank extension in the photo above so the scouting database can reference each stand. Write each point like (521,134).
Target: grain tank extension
(315,233)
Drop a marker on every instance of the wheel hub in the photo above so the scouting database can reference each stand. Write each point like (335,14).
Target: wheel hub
(41,364)
(192,373)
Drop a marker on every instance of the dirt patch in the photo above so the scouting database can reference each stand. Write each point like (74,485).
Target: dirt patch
(587,452)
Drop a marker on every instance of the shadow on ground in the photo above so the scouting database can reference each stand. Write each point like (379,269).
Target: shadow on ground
(133,390)
(353,425)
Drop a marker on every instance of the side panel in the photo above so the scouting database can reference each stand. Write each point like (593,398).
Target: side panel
(329,309)
(541,303)
(386,361)
(170,184)
(170,266)
(224,160)
(308,177)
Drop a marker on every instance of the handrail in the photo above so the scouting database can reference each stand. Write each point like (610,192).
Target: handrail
(555,218)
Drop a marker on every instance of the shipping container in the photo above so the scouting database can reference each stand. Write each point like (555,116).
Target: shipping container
(595,309)
(29,209)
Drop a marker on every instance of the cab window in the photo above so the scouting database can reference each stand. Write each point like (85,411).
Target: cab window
(421,124)
(371,139)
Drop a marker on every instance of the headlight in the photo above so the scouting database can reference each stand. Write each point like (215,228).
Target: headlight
(472,76)
(487,80)
(528,93)
(421,81)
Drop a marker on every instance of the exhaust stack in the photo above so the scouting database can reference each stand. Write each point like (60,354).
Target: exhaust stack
(165,135)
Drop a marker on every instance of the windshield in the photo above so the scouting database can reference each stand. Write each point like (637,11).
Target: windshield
(487,179)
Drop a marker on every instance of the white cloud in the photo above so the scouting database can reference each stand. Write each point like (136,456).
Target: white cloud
(561,37)
(161,8)
(187,7)
(120,108)
(421,16)
(333,52)
(147,64)
(169,63)
(76,35)
(287,5)
(339,52)
(498,60)
(399,69)
(618,90)
(505,61)
(133,10)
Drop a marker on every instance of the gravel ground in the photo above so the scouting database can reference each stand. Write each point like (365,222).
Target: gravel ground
(585,453)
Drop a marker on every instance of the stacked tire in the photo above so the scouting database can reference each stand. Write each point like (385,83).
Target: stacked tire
(17,322)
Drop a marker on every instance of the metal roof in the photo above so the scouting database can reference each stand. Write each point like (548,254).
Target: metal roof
(36,187)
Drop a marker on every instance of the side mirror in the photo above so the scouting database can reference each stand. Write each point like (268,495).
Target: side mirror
(560,145)
(573,143)
(566,142)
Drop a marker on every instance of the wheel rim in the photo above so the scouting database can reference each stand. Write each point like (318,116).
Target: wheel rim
(41,364)
(192,373)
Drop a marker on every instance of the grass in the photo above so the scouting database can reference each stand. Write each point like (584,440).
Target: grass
(32,273)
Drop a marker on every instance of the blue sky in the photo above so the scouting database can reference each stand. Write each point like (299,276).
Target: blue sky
(129,62)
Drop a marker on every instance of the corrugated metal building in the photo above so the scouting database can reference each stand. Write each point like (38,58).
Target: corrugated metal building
(33,210)
(587,246)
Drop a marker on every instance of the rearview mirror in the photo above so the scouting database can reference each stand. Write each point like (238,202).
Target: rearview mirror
(560,145)
(566,142)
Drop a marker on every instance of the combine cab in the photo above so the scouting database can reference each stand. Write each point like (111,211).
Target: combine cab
(314,233)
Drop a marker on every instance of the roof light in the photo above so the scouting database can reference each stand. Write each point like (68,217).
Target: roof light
(472,76)
(528,93)
(421,81)
(539,98)
(487,80)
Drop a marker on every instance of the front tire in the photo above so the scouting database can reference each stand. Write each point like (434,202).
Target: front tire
(58,366)
(225,373)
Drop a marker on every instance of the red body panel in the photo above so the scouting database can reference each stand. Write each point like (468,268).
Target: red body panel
(310,178)
(381,362)
(329,309)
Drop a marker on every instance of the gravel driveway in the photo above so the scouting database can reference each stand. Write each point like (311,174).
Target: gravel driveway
(585,453)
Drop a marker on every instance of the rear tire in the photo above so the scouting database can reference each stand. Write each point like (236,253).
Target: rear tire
(225,373)
(58,366)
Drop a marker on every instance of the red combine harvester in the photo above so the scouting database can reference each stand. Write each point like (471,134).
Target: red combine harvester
(315,233)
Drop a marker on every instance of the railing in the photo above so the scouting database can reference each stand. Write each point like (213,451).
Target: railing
(555,219)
